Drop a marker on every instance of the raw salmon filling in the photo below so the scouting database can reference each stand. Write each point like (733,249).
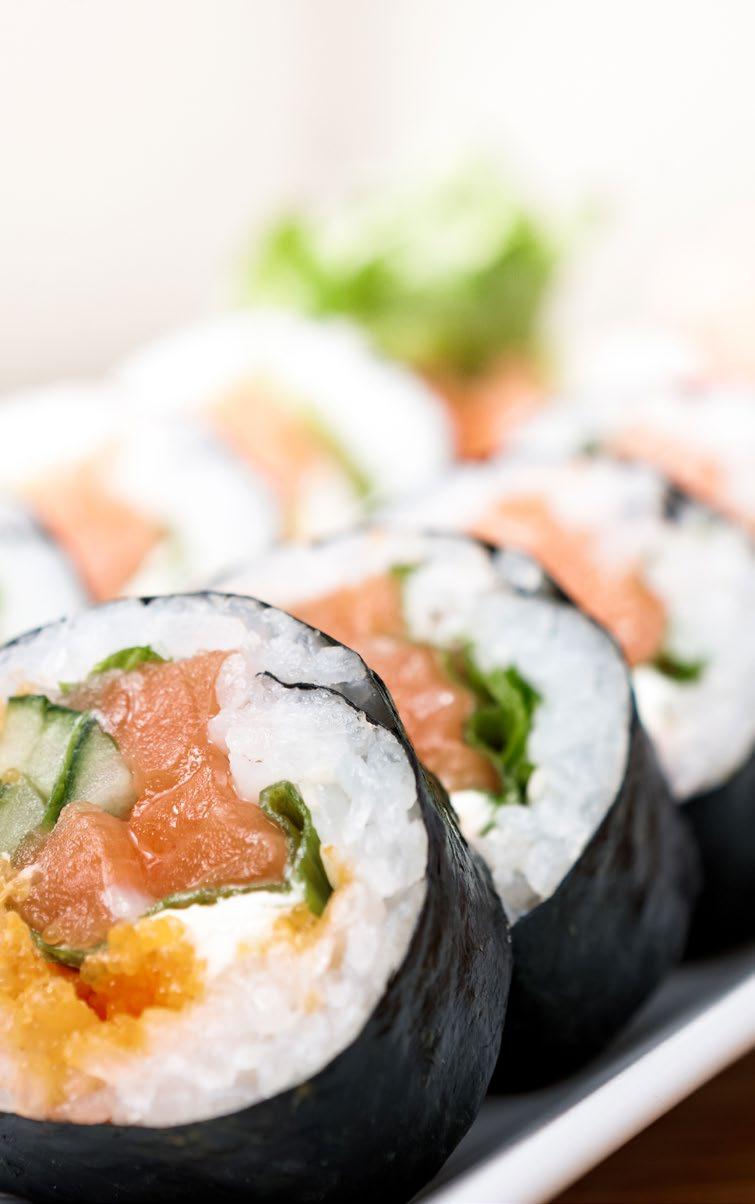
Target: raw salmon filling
(187,830)
(436,706)
(617,596)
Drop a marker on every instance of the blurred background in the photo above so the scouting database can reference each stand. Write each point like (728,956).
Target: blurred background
(141,142)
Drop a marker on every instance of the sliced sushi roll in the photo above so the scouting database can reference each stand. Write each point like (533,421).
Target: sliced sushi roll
(37,582)
(238,919)
(332,427)
(703,440)
(523,709)
(140,503)
(676,586)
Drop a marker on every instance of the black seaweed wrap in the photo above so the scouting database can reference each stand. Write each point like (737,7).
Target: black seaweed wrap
(723,822)
(587,957)
(377,1122)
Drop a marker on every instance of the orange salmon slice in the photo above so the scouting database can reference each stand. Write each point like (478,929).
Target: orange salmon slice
(106,538)
(188,830)
(88,876)
(620,600)
(368,617)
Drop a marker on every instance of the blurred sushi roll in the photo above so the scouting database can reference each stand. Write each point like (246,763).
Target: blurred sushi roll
(333,428)
(702,439)
(37,582)
(522,707)
(141,503)
(675,584)
(253,950)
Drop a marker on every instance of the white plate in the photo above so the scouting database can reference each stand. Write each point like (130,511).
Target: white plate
(525,1149)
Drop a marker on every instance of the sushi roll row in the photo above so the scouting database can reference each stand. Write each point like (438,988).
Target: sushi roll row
(384,817)
(522,707)
(204,448)
(240,919)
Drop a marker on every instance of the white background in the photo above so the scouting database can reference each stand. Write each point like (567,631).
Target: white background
(140,138)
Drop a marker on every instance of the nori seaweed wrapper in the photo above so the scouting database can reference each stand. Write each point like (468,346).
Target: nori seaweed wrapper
(723,823)
(587,957)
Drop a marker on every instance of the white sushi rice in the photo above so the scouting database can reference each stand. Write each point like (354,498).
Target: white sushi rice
(274,1011)
(170,471)
(579,739)
(388,422)
(701,567)
(37,584)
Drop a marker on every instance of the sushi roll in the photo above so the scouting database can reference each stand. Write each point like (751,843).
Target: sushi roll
(334,429)
(37,582)
(239,925)
(702,439)
(141,503)
(523,709)
(675,584)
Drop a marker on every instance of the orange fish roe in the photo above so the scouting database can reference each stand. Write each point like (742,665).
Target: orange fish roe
(145,965)
(486,409)
(188,828)
(53,1021)
(106,538)
(617,598)
(433,707)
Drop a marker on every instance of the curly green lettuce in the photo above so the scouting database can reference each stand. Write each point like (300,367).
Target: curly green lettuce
(448,278)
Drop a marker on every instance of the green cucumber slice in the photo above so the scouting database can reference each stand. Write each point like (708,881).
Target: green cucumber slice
(50,756)
(24,719)
(22,809)
(49,752)
(95,772)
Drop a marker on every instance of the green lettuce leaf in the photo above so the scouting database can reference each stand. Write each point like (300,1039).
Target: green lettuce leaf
(446,278)
(677,669)
(286,807)
(128,659)
(501,723)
